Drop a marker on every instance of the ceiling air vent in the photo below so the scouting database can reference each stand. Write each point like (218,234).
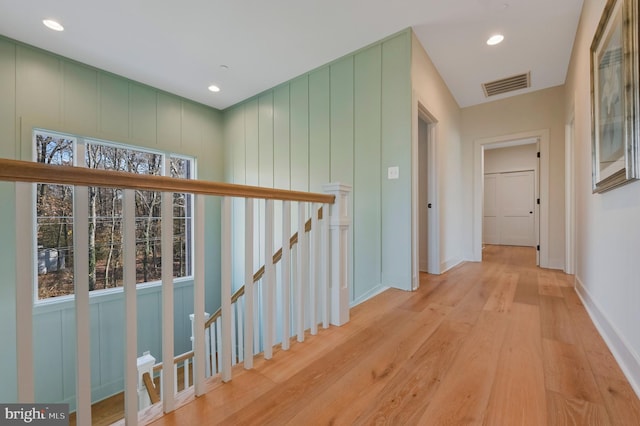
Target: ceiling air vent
(509,84)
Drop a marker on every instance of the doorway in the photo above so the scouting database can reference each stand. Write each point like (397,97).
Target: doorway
(541,207)
(423,195)
(425,210)
(509,200)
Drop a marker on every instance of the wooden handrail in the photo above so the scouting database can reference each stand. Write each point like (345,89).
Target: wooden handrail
(185,356)
(151,388)
(260,272)
(28,171)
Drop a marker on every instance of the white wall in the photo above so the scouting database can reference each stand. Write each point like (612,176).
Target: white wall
(510,159)
(607,225)
(435,96)
(537,111)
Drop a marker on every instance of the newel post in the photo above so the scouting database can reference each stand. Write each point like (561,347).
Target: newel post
(339,224)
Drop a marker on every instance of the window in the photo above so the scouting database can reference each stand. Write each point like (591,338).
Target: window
(54,216)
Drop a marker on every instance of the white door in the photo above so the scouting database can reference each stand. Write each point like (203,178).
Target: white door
(509,209)
(490,234)
(423,198)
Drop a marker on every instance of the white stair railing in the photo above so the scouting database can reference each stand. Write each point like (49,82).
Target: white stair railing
(312,280)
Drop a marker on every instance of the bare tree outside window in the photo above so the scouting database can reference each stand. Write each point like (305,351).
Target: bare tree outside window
(55,219)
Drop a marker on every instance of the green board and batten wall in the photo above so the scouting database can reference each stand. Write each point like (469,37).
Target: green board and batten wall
(347,121)
(39,89)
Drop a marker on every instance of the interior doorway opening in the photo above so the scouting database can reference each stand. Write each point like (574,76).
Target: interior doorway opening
(425,208)
(541,137)
(510,193)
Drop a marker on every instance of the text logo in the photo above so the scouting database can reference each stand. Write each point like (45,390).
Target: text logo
(34,414)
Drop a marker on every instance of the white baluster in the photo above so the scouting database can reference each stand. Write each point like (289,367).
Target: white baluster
(326,268)
(285,267)
(218,351)
(248,285)
(302,278)
(234,336)
(185,370)
(200,316)
(268,281)
(175,377)
(226,289)
(314,235)
(133,388)
(239,306)
(169,380)
(81,285)
(210,337)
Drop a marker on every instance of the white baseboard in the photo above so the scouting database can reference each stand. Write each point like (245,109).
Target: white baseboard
(627,358)
(556,264)
(448,264)
(368,295)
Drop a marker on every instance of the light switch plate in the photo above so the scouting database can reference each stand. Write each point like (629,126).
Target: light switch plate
(393,172)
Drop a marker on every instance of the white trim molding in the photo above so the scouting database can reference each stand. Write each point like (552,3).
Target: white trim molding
(626,357)
(450,264)
(478,173)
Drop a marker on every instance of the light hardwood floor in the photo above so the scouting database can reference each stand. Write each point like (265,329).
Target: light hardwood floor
(498,343)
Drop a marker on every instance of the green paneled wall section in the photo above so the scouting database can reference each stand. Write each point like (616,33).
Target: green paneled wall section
(7,232)
(44,90)
(346,121)
(367,223)
(396,151)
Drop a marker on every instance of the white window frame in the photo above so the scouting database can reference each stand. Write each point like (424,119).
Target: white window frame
(79,160)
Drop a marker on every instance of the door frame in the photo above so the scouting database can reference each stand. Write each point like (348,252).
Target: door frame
(570,259)
(534,210)
(419,111)
(543,185)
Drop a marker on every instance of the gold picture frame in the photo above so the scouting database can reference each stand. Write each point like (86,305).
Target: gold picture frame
(614,96)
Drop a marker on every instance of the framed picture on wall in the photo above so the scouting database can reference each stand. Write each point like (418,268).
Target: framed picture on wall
(614,96)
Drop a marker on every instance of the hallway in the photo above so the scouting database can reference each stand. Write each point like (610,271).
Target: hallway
(499,343)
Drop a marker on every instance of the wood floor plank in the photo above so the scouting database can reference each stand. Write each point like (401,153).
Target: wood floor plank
(407,395)
(222,401)
(549,284)
(449,291)
(605,365)
(288,363)
(457,351)
(520,362)
(501,298)
(621,401)
(350,394)
(555,320)
(567,371)
(565,411)
(463,394)
(306,385)
(590,338)
(527,289)
(468,310)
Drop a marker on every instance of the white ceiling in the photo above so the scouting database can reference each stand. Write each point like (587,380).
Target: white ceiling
(178,46)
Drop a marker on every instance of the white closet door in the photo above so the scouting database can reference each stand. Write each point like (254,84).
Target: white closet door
(490,230)
(509,209)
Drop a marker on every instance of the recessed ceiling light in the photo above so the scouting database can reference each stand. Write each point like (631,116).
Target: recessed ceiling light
(495,39)
(54,25)
(214,88)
